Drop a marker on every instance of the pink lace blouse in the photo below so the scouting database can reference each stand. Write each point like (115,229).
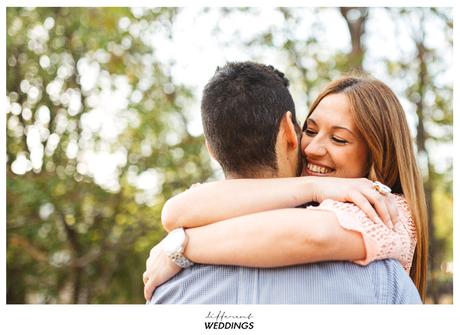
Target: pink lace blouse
(380,240)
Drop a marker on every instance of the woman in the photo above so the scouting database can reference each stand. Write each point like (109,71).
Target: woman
(355,128)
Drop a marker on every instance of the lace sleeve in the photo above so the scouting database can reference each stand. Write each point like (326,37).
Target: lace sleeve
(380,241)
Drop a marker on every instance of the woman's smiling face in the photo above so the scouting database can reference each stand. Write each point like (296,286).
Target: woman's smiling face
(331,142)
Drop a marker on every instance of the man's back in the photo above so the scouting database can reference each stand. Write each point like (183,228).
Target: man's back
(381,282)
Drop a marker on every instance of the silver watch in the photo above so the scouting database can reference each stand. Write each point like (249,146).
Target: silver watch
(174,245)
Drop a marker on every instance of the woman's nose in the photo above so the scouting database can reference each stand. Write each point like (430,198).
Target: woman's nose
(315,148)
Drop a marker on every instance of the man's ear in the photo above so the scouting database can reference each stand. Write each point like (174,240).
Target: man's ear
(289,130)
(209,150)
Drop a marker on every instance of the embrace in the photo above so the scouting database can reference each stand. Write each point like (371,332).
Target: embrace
(330,213)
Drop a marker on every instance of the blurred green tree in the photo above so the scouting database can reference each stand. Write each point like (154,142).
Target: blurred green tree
(74,237)
(432,98)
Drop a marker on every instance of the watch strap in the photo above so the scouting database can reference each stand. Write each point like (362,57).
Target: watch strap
(180,259)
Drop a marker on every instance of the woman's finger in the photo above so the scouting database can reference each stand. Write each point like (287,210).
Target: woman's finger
(148,264)
(392,206)
(149,288)
(378,201)
(365,205)
(145,277)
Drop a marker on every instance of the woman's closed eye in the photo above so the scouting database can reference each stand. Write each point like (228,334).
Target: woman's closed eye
(310,132)
(339,140)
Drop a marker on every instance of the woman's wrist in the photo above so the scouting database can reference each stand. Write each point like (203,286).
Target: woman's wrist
(308,188)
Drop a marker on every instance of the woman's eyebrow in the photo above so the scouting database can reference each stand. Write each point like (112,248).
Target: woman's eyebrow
(311,120)
(344,128)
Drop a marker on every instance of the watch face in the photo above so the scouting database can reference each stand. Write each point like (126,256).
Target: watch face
(174,241)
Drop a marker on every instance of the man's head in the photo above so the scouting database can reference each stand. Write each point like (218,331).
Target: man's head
(249,121)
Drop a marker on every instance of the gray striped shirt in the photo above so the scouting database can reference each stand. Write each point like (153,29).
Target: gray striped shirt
(381,282)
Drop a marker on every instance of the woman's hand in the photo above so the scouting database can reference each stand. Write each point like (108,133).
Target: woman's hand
(361,192)
(159,269)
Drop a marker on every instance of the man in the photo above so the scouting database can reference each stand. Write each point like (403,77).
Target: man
(251,130)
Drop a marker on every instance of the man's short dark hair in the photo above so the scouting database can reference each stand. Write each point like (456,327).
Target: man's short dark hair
(241,109)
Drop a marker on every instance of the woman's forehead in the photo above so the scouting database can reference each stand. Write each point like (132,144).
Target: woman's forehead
(334,110)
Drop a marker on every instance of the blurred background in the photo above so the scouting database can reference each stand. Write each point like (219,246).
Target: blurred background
(103,124)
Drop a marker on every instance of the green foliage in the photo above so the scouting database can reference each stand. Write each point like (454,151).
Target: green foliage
(432,101)
(70,239)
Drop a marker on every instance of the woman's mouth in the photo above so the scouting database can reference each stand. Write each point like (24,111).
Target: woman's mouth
(317,170)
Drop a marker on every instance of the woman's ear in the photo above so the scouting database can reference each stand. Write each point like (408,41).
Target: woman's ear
(288,127)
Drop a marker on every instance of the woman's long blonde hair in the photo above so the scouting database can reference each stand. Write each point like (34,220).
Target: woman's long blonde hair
(381,121)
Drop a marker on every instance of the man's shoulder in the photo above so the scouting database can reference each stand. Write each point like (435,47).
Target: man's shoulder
(326,282)
(200,284)
(397,286)
(223,284)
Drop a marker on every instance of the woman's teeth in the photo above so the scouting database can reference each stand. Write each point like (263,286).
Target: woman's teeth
(318,169)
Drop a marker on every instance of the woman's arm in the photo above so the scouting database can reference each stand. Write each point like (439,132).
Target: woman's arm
(275,238)
(267,239)
(221,200)
(291,236)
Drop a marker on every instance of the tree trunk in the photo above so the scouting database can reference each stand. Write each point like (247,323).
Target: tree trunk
(422,136)
(76,285)
(356,21)
(15,293)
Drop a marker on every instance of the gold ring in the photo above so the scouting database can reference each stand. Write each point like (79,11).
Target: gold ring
(381,188)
